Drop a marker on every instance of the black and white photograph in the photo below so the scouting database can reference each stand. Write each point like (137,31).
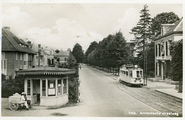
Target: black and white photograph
(91,59)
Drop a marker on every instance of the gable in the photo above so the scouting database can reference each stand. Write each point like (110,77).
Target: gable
(6,45)
(179,26)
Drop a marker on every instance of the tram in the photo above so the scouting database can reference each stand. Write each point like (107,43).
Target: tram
(133,75)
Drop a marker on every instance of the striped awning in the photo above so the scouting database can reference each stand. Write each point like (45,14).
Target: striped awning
(46,71)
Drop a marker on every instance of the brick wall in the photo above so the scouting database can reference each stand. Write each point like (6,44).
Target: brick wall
(12,63)
(10,56)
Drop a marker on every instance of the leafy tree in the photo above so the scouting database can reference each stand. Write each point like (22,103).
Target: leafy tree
(12,85)
(92,47)
(78,53)
(111,52)
(162,18)
(176,63)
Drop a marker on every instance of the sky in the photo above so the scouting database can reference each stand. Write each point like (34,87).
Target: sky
(62,25)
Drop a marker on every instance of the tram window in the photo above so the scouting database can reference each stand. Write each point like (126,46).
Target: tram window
(137,73)
(140,73)
(130,73)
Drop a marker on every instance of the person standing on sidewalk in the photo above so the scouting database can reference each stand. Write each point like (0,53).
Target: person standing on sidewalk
(23,100)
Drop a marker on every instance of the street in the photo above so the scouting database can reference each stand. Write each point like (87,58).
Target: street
(100,96)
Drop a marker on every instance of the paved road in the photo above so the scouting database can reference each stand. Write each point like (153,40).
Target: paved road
(100,97)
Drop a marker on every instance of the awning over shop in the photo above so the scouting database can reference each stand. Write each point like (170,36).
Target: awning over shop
(45,71)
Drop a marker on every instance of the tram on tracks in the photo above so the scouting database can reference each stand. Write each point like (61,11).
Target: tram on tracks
(131,74)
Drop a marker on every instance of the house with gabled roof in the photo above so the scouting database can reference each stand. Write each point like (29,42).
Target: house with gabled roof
(44,56)
(15,53)
(62,57)
(169,33)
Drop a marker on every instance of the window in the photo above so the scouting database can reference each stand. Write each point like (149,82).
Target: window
(51,87)
(20,56)
(166,48)
(159,50)
(5,64)
(59,87)
(126,72)
(64,86)
(139,73)
(16,56)
(43,87)
(28,87)
(130,74)
(156,49)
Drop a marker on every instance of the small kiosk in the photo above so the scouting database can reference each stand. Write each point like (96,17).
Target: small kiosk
(47,86)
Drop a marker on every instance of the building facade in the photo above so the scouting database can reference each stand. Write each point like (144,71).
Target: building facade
(47,86)
(15,53)
(169,33)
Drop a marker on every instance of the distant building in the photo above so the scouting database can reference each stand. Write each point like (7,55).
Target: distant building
(169,33)
(44,56)
(15,53)
(62,57)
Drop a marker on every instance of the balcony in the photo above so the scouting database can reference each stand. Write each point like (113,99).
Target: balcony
(164,57)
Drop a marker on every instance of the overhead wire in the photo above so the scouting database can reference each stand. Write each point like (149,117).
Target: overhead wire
(84,14)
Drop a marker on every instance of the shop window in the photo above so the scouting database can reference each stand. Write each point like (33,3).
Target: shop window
(51,88)
(43,87)
(28,87)
(59,87)
(64,86)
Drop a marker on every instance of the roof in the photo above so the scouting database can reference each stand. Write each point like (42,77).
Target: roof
(11,43)
(176,28)
(63,54)
(45,71)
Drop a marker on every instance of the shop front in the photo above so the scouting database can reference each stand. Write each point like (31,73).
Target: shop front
(46,86)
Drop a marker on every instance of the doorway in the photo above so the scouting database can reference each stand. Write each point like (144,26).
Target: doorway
(36,90)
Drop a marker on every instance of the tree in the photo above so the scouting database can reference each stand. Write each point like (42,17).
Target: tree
(176,63)
(78,53)
(92,47)
(143,34)
(162,18)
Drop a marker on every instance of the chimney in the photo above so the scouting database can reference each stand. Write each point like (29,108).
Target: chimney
(7,28)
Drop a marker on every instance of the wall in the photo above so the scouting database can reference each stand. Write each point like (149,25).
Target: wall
(54,100)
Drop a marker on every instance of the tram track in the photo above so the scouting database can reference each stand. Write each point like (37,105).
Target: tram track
(160,103)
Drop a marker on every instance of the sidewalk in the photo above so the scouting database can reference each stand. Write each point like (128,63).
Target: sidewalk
(164,88)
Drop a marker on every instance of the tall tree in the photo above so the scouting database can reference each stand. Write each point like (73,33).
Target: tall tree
(162,18)
(143,34)
(78,53)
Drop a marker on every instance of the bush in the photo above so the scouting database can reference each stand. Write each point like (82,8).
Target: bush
(10,85)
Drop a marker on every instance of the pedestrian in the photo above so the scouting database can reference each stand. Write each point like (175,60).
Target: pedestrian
(24,100)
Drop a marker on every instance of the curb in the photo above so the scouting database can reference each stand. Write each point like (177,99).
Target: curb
(168,94)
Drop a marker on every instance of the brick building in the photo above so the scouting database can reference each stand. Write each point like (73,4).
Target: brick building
(15,53)
(169,33)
